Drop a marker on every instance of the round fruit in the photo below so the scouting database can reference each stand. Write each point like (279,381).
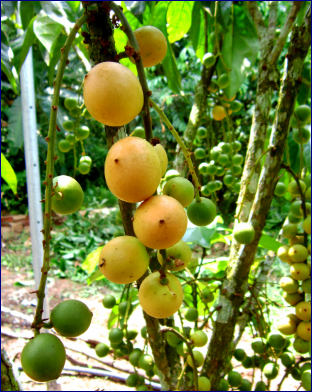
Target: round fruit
(211,186)
(303,138)
(112,94)
(123,260)
(247,363)
(293,188)
(270,371)
(43,358)
(292,299)
(308,194)
(142,388)
(182,349)
(289,284)
(218,185)
(199,153)
(288,359)
(101,350)
(71,318)
(218,113)
(171,174)
(280,189)
(307,225)
(224,81)
(234,379)
(132,169)
(215,152)
(178,256)
(180,189)
(68,196)
(303,113)
(139,132)
(305,367)
(301,346)
(304,330)
(109,301)
(287,326)
(207,295)
(223,159)
(135,356)
(236,187)
(70,138)
(303,310)
(276,340)
(70,103)
(298,253)
(132,380)
(144,332)
(152,45)
(152,290)
(172,339)
(237,144)
(68,125)
(245,385)
(211,168)
(201,132)
(131,334)
(239,354)
(201,213)
(298,239)
(290,230)
(84,168)
(204,384)
(225,147)
(237,159)
(213,87)
(293,219)
(295,373)
(260,386)
(259,345)
(205,191)
(202,168)
(306,286)
(162,155)
(300,271)
(83,132)
(236,106)
(160,222)
(198,356)
(86,159)
(223,385)
(199,338)
(306,380)
(74,112)
(115,335)
(64,146)
(122,308)
(146,362)
(296,208)
(209,59)
(244,233)
(228,180)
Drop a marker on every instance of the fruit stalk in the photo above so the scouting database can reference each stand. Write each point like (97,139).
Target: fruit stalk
(49,172)
(182,146)
(139,65)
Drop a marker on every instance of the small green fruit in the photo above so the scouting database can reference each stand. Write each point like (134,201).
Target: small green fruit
(109,301)
(68,195)
(289,284)
(199,338)
(74,112)
(84,168)
(198,356)
(101,350)
(70,103)
(182,349)
(237,144)
(201,132)
(199,153)
(234,379)
(276,340)
(144,332)
(191,314)
(204,384)
(259,345)
(180,189)
(223,159)
(146,362)
(245,385)
(293,188)
(306,380)
(71,138)
(302,138)
(201,213)
(135,356)
(247,363)
(132,333)
(86,159)
(122,308)
(303,113)
(301,346)
(132,380)
(236,106)
(306,286)
(280,189)
(260,386)
(209,59)
(239,354)
(64,146)
(115,335)
(270,371)
(224,81)
(139,132)
(83,132)
(68,125)
(244,233)
(237,159)
(288,359)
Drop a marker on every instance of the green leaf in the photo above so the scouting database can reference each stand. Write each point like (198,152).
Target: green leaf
(46,30)
(8,174)
(29,39)
(96,275)
(200,235)
(196,33)
(74,5)
(136,7)
(15,126)
(179,18)
(269,243)
(239,50)
(55,10)
(112,317)
(120,42)
(27,12)
(55,56)
(7,9)
(6,66)
(91,260)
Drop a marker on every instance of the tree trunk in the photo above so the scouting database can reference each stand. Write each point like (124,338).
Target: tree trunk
(9,378)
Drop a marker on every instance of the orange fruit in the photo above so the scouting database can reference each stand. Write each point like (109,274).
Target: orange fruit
(218,113)
(162,155)
(160,222)
(132,169)
(112,94)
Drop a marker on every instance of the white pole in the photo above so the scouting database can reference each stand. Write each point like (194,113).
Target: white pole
(32,170)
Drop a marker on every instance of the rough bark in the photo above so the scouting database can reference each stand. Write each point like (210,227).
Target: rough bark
(9,377)
(236,282)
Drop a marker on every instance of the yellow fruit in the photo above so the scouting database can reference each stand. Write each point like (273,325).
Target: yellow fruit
(298,253)
(152,44)
(132,169)
(218,113)
(304,330)
(112,94)
(303,310)
(299,239)
(282,253)
(123,260)
(178,256)
(307,225)
(162,155)
(287,326)
(160,300)
(160,222)
(68,195)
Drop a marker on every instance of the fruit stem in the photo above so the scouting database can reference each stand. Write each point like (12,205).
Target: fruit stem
(48,325)
(58,195)
(139,65)
(49,171)
(186,153)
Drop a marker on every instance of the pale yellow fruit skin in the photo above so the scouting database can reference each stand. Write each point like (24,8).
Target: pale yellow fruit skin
(162,155)
(132,169)
(179,251)
(160,222)
(304,330)
(152,44)
(112,94)
(282,253)
(160,301)
(218,113)
(125,260)
(307,225)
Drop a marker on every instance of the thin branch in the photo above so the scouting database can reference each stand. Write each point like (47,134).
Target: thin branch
(272,18)
(257,18)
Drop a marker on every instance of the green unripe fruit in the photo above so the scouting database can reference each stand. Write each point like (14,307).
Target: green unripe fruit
(213,87)
(260,386)
(132,333)
(270,371)
(43,358)
(293,188)
(86,159)
(115,335)
(295,373)
(289,284)
(122,308)
(256,361)
(307,180)
(211,168)
(146,362)
(204,384)
(199,359)
(244,233)
(71,138)
(71,318)
(199,153)
(301,346)
(150,373)
(116,346)
(259,345)
(296,208)
(109,301)
(220,171)
(68,125)
(182,349)
(199,338)
(237,159)
(304,330)
(126,349)
(294,219)
(223,159)
(209,59)
(207,295)
(245,385)
(135,356)
(84,168)
(225,147)
(236,106)
(239,354)
(70,103)
(303,113)
(276,340)
(280,189)
(303,138)
(201,213)
(228,180)
(305,367)
(218,185)
(144,332)
(224,81)
(237,145)
(191,314)
(223,385)
(74,112)
(101,350)
(288,359)
(204,190)
(83,132)
(308,193)
(86,114)
(132,380)
(202,168)
(215,152)
(64,146)
(236,187)
(172,339)
(180,189)
(306,286)
(142,388)
(201,132)
(290,230)
(247,363)
(306,380)
(139,132)
(211,186)
(234,379)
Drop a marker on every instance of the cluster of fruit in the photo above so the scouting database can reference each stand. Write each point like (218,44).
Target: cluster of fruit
(43,357)
(78,134)
(300,118)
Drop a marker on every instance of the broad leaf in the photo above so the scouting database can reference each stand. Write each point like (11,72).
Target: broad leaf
(8,174)
(96,275)
(91,260)
(74,5)
(136,7)
(199,235)
(27,12)
(269,243)
(15,126)
(120,43)
(29,39)
(55,10)
(196,33)
(7,9)
(179,18)
(46,30)
(6,66)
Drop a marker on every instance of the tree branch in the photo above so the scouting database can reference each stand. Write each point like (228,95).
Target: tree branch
(257,18)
